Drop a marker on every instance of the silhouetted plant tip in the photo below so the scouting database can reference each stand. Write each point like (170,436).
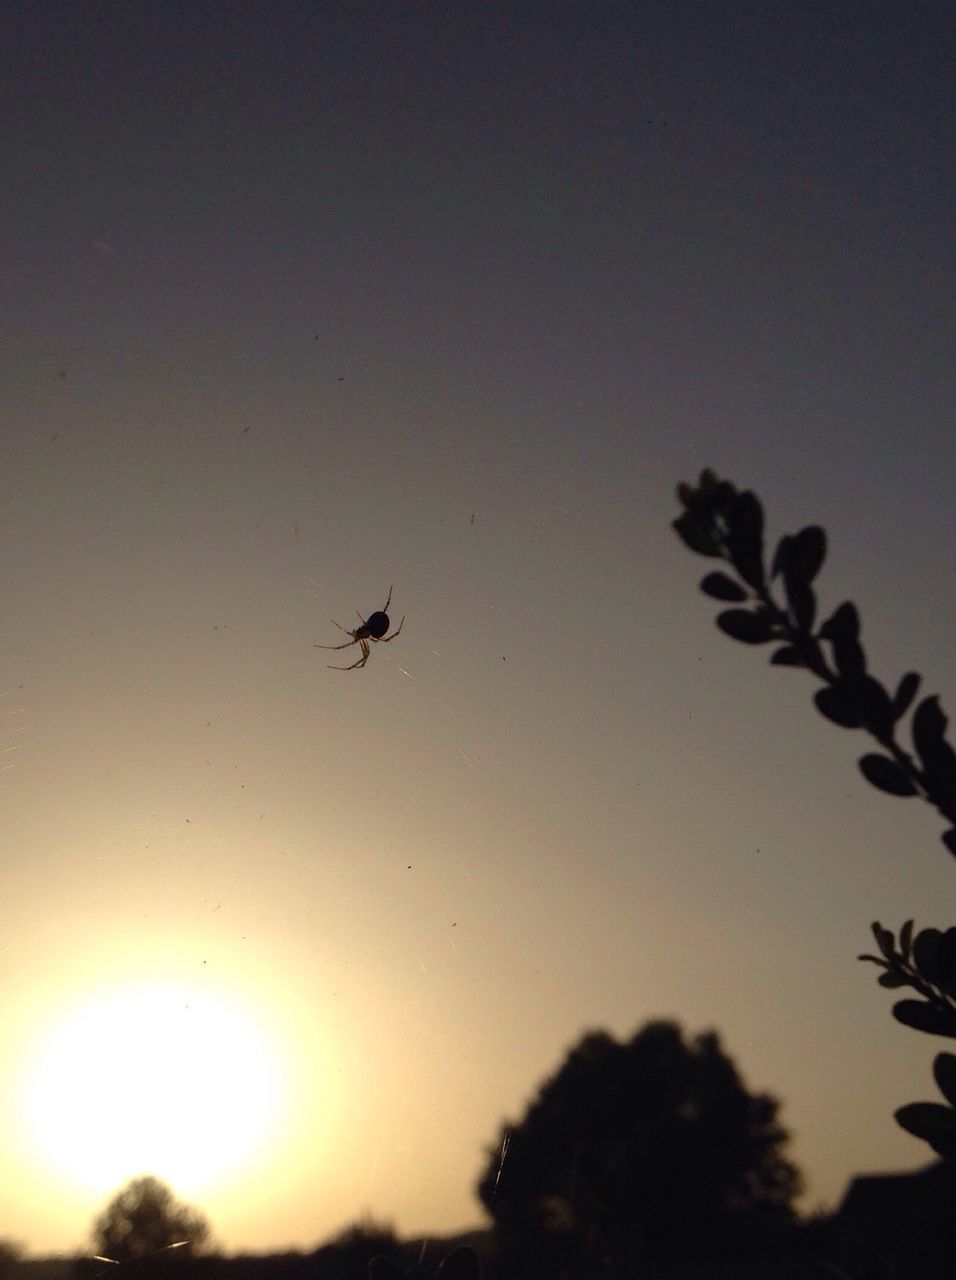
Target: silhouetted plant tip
(720,522)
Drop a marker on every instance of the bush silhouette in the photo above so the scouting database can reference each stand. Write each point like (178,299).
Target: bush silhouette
(634,1151)
(722,523)
(143,1219)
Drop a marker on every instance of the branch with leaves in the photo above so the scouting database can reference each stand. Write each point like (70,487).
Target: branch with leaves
(721,522)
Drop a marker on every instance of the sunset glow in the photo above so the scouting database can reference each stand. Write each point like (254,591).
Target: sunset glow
(156,1079)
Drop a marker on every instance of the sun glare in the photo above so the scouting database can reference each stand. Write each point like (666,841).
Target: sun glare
(152,1080)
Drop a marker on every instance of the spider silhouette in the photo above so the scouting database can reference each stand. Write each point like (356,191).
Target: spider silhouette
(373,628)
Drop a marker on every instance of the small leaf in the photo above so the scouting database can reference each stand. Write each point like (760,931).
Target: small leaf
(685,493)
(786,656)
(707,481)
(884,939)
(695,534)
(745,537)
(905,693)
(723,496)
(932,1122)
(741,624)
(875,959)
(886,774)
(849,658)
(938,757)
(838,704)
(843,623)
(906,940)
(806,554)
(929,725)
(944,1072)
(925,1017)
(801,601)
(722,587)
(781,555)
(893,980)
(926,954)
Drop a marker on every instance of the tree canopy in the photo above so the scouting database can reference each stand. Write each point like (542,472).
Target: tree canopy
(636,1149)
(144,1218)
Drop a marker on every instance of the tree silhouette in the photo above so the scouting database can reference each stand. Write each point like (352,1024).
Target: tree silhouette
(635,1150)
(722,523)
(142,1219)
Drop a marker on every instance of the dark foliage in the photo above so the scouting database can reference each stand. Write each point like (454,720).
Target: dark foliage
(634,1151)
(143,1220)
(347,1256)
(460,1264)
(720,522)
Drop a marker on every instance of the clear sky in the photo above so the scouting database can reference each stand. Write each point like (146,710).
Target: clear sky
(299,301)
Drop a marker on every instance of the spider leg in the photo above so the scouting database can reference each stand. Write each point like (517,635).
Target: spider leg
(385,639)
(347,644)
(360,663)
(387,602)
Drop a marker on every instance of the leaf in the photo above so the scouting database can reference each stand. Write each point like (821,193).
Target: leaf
(685,493)
(842,629)
(806,554)
(893,980)
(944,1072)
(723,496)
(722,587)
(781,555)
(906,940)
(875,959)
(838,704)
(707,481)
(849,658)
(938,757)
(884,939)
(932,1122)
(741,624)
(905,693)
(745,537)
(695,534)
(843,623)
(801,601)
(925,1017)
(926,954)
(886,775)
(929,725)
(786,656)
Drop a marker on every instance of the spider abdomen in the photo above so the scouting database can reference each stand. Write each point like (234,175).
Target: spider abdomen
(377,625)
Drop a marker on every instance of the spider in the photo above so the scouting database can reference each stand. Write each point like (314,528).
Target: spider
(373,628)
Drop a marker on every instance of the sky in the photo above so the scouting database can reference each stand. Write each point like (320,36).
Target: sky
(304,303)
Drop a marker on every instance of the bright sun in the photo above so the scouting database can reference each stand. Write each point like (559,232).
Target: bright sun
(155,1080)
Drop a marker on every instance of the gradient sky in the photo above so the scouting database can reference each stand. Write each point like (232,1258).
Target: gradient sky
(299,301)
